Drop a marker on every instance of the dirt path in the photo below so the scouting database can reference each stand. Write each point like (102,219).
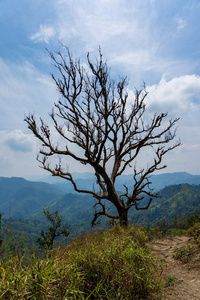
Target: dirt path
(187,282)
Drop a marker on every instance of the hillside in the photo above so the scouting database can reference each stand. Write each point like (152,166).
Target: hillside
(28,200)
(24,199)
(174,200)
(77,210)
(20,197)
(111,264)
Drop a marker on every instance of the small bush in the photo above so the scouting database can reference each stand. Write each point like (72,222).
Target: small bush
(182,253)
(194,231)
(154,233)
(163,226)
(176,232)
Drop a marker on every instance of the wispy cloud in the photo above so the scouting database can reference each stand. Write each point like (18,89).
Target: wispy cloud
(23,89)
(18,153)
(181,23)
(45,33)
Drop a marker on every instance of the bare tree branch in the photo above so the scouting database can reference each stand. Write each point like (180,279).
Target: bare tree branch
(94,115)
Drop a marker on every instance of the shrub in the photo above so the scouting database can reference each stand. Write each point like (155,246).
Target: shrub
(182,253)
(194,231)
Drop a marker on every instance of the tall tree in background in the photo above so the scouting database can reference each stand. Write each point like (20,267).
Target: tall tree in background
(96,115)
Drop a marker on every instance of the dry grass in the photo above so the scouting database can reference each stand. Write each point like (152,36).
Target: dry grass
(114,264)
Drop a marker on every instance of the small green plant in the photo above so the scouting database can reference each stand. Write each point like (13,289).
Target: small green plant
(56,229)
(182,253)
(170,280)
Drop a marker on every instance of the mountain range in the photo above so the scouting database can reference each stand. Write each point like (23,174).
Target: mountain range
(87,181)
(22,202)
(26,199)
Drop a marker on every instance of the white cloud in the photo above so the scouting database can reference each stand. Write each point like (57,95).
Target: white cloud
(178,95)
(45,33)
(185,158)
(129,34)
(138,57)
(18,154)
(100,22)
(139,39)
(18,141)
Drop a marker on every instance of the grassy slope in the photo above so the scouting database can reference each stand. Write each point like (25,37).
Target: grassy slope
(113,264)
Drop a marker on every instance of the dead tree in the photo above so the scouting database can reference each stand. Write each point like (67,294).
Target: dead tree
(94,114)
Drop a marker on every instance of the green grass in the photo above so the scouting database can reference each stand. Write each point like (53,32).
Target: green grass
(182,253)
(170,280)
(113,264)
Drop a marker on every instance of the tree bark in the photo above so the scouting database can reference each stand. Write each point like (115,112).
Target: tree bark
(123,217)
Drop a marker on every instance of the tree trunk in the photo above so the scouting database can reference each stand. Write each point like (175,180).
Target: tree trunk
(123,217)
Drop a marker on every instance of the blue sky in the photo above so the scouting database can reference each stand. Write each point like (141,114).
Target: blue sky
(154,41)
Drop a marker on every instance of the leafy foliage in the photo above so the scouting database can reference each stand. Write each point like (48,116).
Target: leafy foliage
(19,237)
(163,226)
(170,280)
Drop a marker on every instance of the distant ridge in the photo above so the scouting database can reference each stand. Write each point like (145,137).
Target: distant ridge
(87,180)
(22,198)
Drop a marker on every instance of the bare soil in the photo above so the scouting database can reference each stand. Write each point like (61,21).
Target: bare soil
(185,277)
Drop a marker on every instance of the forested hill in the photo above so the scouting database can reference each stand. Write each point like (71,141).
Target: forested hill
(24,199)
(180,200)
(183,199)
(20,197)
(77,211)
